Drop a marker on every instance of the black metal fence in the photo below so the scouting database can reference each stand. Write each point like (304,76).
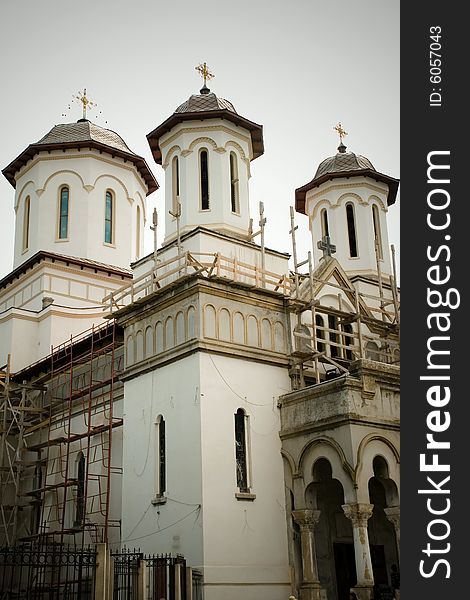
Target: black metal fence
(47,572)
(148,577)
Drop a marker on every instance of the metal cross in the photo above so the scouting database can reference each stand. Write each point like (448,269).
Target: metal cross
(86,102)
(326,245)
(339,129)
(204,72)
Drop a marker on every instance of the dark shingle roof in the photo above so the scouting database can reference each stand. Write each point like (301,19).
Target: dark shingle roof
(346,161)
(205,102)
(82,134)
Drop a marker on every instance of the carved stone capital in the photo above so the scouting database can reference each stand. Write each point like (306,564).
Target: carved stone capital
(306,518)
(359,514)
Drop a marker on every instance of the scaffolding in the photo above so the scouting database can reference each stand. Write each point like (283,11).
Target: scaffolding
(56,455)
(363,325)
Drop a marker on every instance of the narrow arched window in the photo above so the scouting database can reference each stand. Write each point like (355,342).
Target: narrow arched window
(234,197)
(333,335)
(241,451)
(137,232)
(325,230)
(160,443)
(80,505)
(27,211)
(320,334)
(351,230)
(204,179)
(109,218)
(377,231)
(64,213)
(175,174)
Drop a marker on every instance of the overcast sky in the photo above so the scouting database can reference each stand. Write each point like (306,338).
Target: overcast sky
(297,67)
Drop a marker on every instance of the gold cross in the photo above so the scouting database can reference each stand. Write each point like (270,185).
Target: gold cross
(204,72)
(339,129)
(86,102)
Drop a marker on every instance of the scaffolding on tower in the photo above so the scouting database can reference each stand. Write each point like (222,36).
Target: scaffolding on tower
(57,462)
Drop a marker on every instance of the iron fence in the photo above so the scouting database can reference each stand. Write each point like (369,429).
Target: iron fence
(47,572)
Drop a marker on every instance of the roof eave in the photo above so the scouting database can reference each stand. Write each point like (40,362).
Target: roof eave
(32,150)
(256,131)
(301,192)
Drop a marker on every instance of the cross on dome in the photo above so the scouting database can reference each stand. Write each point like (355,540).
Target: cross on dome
(206,75)
(85,102)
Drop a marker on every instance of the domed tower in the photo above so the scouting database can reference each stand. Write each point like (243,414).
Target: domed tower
(348,200)
(205,148)
(80,192)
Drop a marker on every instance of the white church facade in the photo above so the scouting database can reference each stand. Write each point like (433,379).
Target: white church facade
(209,399)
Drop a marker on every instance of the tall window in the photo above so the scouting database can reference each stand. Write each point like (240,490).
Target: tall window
(377,231)
(325,230)
(234,198)
(160,443)
(333,324)
(175,184)
(64,213)
(137,232)
(204,179)
(108,217)
(320,333)
(80,506)
(27,211)
(241,451)
(348,341)
(351,230)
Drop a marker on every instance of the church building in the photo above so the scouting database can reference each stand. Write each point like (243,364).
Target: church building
(215,399)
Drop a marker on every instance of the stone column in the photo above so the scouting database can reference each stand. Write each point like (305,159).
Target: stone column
(393,515)
(307,519)
(359,514)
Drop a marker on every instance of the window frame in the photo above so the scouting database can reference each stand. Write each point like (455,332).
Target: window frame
(201,181)
(65,238)
(111,220)
(352,228)
(26,223)
(234,184)
(377,231)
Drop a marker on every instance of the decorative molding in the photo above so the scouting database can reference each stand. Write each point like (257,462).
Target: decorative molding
(223,128)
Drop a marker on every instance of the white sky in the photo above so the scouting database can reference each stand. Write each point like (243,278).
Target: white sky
(297,67)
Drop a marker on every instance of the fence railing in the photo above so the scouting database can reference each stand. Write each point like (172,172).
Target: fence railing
(47,572)
(196,263)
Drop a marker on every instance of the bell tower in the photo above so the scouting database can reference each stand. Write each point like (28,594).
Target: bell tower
(205,148)
(347,201)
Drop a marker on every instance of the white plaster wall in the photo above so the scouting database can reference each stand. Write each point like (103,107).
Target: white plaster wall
(362,192)
(173,392)
(245,542)
(88,174)
(219,137)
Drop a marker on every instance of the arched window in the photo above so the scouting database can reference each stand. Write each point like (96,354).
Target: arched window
(320,333)
(26,215)
(175,174)
(80,505)
(351,230)
(204,178)
(137,233)
(160,447)
(377,231)
(325,230)
(109,218)
(372,351)
(64,213)
(241,458)
(234,197)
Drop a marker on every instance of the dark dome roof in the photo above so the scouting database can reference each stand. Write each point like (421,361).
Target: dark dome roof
(205,102)
(345,164)
(343,161)
(85,131)
(205,105)
(82,134)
